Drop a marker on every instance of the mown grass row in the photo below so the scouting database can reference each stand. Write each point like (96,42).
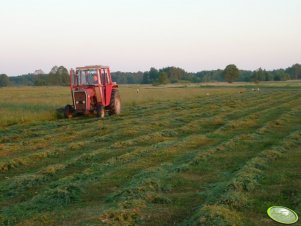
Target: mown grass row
(129,177)
(278,186)
(119,214)
(121,211)
(82,134)
(114,145)
(35,144)
(227,208)
(30,104)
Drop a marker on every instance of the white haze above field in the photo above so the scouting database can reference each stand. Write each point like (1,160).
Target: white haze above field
(132,35)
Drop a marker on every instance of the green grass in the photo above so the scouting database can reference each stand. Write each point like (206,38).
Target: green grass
(31,104)
(175,156)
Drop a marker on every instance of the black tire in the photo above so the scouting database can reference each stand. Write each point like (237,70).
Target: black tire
(68,111)
(100,111)
(115,103)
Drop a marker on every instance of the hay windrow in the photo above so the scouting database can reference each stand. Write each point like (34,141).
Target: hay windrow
(194,160)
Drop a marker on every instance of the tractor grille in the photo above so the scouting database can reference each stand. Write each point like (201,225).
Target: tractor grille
(80,101)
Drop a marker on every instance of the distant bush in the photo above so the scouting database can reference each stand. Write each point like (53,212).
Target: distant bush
(4,80)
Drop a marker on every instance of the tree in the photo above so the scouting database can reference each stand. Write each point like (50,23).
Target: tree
(54,70)
(153,75)
(261,75)
(62,70)
(163,78)
(294,71)
(58,76)
(280,75)
(4,80)
(145,79)
(231,73)
(174,74)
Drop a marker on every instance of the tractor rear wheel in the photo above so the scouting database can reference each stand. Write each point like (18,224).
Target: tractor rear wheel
(115,104)
(68,111)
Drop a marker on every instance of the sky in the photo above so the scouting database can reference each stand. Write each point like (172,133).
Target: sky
(134,35)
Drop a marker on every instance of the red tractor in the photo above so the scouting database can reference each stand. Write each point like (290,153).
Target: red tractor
(93,91)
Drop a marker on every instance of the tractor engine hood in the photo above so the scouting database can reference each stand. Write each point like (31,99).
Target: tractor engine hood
(90,92)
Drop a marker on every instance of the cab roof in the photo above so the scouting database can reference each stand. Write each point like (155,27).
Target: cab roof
(92,67)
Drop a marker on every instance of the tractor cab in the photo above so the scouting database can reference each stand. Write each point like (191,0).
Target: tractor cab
(92,90)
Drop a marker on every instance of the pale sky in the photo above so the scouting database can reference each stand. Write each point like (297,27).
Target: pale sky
(133,35)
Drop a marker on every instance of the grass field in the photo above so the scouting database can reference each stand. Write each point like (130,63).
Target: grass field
(175,156)
(31,104)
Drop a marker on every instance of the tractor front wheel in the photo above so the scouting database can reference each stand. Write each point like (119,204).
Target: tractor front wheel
(115,104)
(68,111)
(100,111)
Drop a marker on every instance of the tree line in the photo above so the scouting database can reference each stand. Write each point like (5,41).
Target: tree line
(59,76)
(230,74)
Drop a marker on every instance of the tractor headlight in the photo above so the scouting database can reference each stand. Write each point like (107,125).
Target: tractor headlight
(77,102)
(84,102)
